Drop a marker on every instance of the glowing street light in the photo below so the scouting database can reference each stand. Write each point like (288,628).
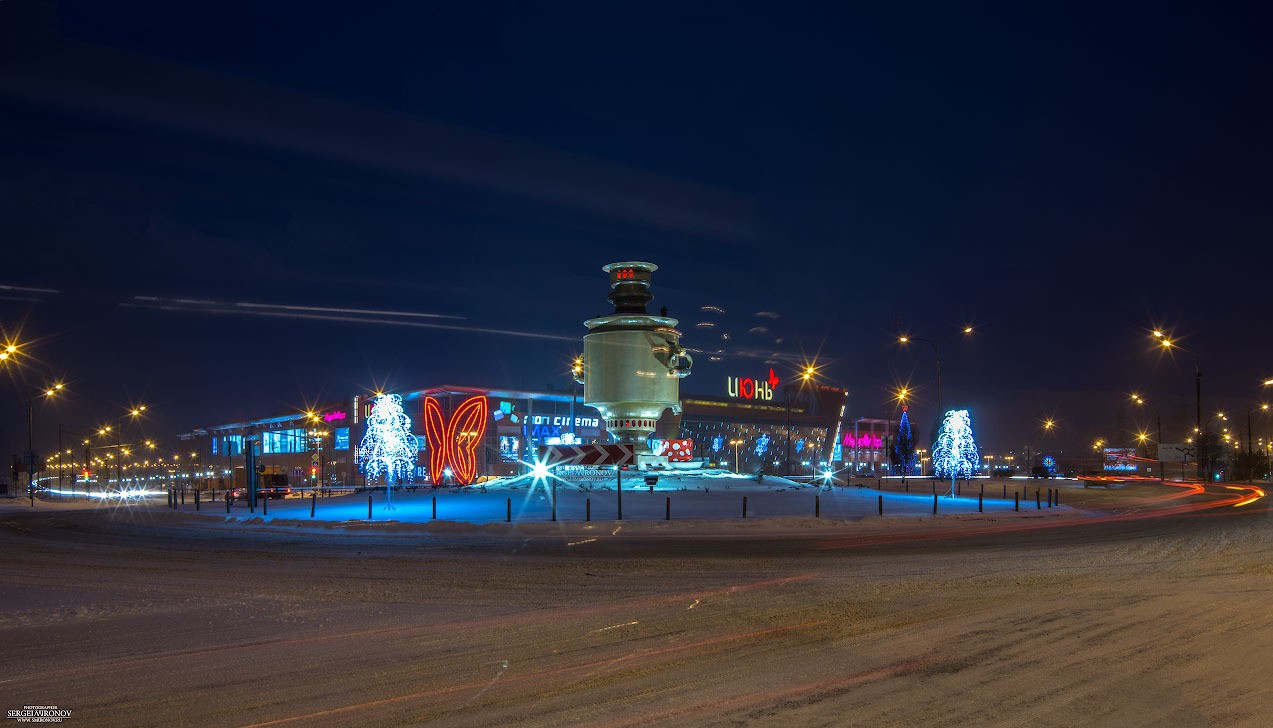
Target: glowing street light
(736,444)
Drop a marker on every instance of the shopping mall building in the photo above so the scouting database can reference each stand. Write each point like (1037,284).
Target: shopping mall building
(751,424)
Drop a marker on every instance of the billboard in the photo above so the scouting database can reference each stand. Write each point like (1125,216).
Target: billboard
(1122,459)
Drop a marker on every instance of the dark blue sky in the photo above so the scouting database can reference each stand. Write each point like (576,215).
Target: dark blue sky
(1063,177)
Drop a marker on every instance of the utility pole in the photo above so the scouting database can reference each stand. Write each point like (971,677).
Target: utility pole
(1161,475)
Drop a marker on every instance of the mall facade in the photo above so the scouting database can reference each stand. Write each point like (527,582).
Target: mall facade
(753,424)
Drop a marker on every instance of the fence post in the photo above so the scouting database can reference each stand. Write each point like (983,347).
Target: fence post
(667,516)
(934,503)
(435,508)
(508,512)
(817,506)
(196,500)
(744,506)
(227,501)
(1037,502)
(980,499)
(1005,491)
(881,505)
(313,501)
(265,506)
(183,496)
(587,509)
(1016,501)
(368,508)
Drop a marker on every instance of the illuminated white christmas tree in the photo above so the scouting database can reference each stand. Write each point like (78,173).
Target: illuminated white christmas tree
(955,452)
(388,448)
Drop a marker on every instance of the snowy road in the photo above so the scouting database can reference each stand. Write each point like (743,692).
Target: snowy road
(142,616)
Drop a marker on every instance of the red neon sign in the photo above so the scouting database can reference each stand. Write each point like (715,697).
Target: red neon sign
(455,444)
(333,416)
(623,274)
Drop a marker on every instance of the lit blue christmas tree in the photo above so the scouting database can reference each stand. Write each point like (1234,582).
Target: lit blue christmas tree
(388,448)
(955,452)
(905,446)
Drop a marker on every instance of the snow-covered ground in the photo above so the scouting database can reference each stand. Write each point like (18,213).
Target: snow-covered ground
(695,496)
(130,613)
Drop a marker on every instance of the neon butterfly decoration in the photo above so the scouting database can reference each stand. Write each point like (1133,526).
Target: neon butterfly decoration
(455,444)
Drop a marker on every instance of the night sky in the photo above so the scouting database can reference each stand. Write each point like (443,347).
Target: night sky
(1063,178)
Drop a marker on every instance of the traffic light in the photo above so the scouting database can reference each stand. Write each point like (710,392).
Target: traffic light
(313,472)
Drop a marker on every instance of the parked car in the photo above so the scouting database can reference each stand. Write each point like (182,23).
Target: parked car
(271,486)
(1038,471)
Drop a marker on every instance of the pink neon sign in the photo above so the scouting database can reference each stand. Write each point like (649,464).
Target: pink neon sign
(866,441)
(333,416)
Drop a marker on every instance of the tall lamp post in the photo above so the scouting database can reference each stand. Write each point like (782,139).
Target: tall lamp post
(119,441)
(736,444)
(906,339)
(30,456)
(937,354)
(576,372)
(805,376)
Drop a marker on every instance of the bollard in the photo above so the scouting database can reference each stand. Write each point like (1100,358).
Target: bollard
(508,513)
(1005,491)
(587,509)
(1057,496)
(435,508)
(1016,501)
(196,500)
(881,505)
(618,486)
(265,506)
(980,498)
(934,504)
(313,501)
(227,501)
(934,489)
(667,515)
(183,496)
(817,506)
(1037,505)
(744,506)
(983,490)
(1049,497)
(907,486)
(368,508)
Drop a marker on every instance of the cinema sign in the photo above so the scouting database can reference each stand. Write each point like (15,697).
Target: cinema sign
(748,388)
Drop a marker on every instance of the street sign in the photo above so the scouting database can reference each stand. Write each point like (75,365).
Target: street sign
(587,455)
(1176,452)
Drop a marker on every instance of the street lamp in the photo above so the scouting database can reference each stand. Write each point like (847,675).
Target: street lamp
(118,428)
(937,354)
(736,444)
(30,455)
(576,372)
